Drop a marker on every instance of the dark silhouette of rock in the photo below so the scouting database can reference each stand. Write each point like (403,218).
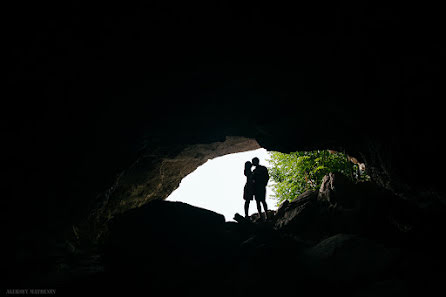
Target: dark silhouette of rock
(168,246)
(293,214)
(338,190)
(341,206)
(347,258)
(261,218)
(387,288)
(174,248)
(177,249)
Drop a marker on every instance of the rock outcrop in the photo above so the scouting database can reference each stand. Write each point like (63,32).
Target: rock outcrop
(308,246)
(346,258)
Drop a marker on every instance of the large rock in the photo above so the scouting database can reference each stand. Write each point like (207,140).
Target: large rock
(341,206)
(346,258)
(387,288)
(315,216)
(338,190)
(164,224)
(167,238)
(297,214)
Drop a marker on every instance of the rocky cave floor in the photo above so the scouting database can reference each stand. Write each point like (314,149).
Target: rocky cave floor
(347,239)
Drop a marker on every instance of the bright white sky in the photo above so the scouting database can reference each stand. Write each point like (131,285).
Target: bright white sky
(218,185)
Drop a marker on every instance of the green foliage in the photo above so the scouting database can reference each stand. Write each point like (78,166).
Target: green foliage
(298,172)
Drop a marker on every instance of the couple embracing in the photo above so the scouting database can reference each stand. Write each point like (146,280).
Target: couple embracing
(255,186)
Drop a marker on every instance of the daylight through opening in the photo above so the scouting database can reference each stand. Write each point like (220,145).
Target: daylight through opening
(218,185)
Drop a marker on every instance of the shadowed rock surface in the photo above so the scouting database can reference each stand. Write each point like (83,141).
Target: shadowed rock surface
(175,248)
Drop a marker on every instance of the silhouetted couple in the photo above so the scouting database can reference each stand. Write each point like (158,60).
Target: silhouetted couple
(255,186)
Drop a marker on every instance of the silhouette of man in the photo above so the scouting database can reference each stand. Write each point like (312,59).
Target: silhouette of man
(260,178)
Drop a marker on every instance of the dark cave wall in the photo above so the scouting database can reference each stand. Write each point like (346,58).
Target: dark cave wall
(92,90)
(154,176)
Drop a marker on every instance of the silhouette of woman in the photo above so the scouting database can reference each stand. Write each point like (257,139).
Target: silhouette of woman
(248,192)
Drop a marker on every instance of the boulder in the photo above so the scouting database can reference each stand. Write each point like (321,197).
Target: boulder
(345,258)
(302,217)
(299,212)
(339,206)
(387,288)
(362,208)
(339,191)
(282,208)
(162,238)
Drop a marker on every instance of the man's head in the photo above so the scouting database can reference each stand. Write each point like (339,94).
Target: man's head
(255,161)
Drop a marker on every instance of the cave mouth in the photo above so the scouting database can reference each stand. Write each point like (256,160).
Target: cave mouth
(161,174)
(218,184)
(156,174)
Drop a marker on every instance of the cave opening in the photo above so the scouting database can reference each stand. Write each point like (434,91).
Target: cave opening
(218,184)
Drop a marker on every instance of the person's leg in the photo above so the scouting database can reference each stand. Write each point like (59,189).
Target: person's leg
(261,195)
(265,208)
(246,207)
(259,209)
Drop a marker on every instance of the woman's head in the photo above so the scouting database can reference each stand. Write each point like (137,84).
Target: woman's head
(248,165)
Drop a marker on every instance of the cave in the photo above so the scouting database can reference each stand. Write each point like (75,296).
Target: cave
(109,106)
(218,185)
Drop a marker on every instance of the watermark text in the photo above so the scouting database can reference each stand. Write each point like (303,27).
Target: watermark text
(30,291)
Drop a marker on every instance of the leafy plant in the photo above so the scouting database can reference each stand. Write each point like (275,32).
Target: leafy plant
(294,173)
